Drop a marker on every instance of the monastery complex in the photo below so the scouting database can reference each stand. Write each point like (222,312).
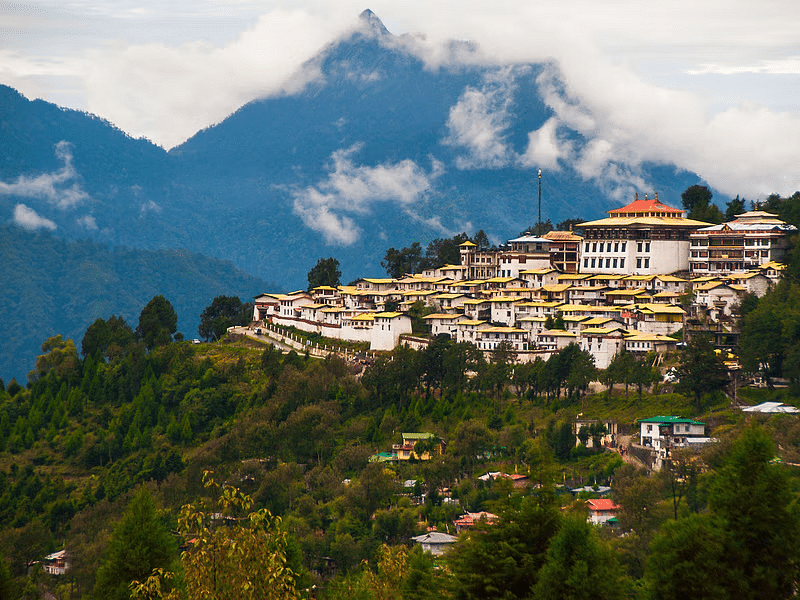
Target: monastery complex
(628,281)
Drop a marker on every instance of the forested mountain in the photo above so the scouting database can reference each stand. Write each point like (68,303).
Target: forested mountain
(372,149)
(52,286)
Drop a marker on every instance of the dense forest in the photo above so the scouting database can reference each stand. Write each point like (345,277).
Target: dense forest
(207,469)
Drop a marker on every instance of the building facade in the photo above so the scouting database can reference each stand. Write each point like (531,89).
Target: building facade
(645,237)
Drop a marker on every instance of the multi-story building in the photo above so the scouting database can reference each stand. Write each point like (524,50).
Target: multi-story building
(479,263)
(522,254)
(565,250)
(750,240)
(645,237)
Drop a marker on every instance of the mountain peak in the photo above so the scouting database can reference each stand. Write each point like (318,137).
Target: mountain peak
(372,23)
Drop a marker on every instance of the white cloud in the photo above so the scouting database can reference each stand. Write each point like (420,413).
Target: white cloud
(545,147)
(88,222)
(149,206)
(353,189)
(29,219)
(478,122)
(50,186)
(165,70)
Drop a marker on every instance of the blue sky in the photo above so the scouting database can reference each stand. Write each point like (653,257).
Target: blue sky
(710,85)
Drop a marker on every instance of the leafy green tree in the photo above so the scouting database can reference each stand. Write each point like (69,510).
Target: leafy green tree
(231,557)
(325,272)
(568,224)
(734,207)
(577,566)
(687,560)
(697,201)
(223,312)
(443,251)
(157,323)
(701,370)
(502,559)
(140,543)
(481,240)
(60,356)
(399,262)
(752,497)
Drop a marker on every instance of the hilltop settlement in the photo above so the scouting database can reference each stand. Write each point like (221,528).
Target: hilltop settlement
(630,281)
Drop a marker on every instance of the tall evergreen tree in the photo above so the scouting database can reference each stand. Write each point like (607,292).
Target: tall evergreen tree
(140,543)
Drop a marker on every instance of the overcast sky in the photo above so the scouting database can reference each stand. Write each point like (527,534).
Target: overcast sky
(710,85)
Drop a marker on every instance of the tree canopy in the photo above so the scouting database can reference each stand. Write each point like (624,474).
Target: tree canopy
(223,312)
(325,272)
(157,323)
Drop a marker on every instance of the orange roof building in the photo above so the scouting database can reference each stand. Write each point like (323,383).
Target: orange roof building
(646,237)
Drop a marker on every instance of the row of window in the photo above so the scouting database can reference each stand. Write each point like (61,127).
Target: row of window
(611,263)
(617,247)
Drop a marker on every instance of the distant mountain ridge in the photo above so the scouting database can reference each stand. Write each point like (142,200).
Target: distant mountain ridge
(52,286)
(378,149)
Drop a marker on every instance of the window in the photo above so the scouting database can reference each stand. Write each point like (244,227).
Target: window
(647,247)
(586,247)
(585,263)
(621,263)
(594,247)
(624,245)
(601,246)
(646,263)
(608,263)
(615,263)
(639,246)
(638,263)
(593,263)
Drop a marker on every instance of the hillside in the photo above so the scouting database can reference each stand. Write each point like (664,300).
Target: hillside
(297,435)
(52,286)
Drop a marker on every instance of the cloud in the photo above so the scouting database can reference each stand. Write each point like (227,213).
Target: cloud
(747,150)
(545,147)
(478,122)
(88,222)
(352,190)
(166,70)
(149,206)
(29,219)
(50,186)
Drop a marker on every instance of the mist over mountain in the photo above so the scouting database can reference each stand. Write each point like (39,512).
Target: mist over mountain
(373,145)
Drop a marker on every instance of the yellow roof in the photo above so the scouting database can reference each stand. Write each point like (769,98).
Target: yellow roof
(557,287)
(505,299)
(559,333)
(388,315)
(600,330)
(573,276)
(377,279)
(468,243)
(501,279)
(649,337)
(444,316)
(541,271)
(661,308)
(472,301)
(364,317)
(502,330)
(471,322)
(663,221)
(325,287)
